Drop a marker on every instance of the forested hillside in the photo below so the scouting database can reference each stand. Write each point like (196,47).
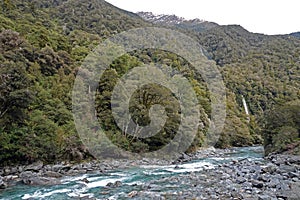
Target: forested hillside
(43,43)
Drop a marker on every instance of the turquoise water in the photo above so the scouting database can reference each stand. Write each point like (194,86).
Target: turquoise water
(133,179)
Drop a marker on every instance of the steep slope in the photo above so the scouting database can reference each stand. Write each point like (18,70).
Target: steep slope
(42,43)
(261,72)
(262,69)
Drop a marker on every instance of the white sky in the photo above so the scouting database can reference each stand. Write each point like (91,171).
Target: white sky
(259,16)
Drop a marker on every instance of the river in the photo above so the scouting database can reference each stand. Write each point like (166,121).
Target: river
(151,180)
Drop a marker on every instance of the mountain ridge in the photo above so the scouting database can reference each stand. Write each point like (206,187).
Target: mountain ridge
(179,22)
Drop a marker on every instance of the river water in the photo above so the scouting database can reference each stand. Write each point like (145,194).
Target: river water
(138,179)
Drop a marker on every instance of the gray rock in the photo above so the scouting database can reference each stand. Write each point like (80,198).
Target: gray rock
(57,168)
(3,185)
(117,184)
(264,197)
(114,185)
(241,180)
(30,178)
(245,171)
(53,174)
(264,178)
(110,184)
(257,184)
(85,180)
(236,195)
(6,171)
(20,169)
(14,170)
(293,174)
(287,169)
(283,186)
(40,181)
(270,168)
(295,179)
(35,166)
(10,178)
(273,183)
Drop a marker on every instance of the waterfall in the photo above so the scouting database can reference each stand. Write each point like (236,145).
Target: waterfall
(246,108)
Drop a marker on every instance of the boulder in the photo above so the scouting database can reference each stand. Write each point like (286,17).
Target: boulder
(30,178)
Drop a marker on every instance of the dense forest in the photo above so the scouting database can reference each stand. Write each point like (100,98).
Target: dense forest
(43,44)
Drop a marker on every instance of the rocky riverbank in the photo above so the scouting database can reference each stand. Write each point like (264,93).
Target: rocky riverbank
(275,177)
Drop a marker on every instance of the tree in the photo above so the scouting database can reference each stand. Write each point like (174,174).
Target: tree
(281,129)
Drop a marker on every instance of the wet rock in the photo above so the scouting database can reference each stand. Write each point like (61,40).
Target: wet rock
(110,184)
(114,185)
(30,178)
(132,194)
(85,180)
(118,184)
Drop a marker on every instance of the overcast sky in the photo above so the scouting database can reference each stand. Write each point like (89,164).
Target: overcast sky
(259,16)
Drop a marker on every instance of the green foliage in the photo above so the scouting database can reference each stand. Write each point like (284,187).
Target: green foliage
(43,43)
(282,128)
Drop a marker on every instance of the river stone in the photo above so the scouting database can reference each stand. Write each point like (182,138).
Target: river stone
(270,168)
(117,184)
(293,174)
(241,180)
(110,184)
(264,197)
(273,183)
(257,184)
(132,194)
